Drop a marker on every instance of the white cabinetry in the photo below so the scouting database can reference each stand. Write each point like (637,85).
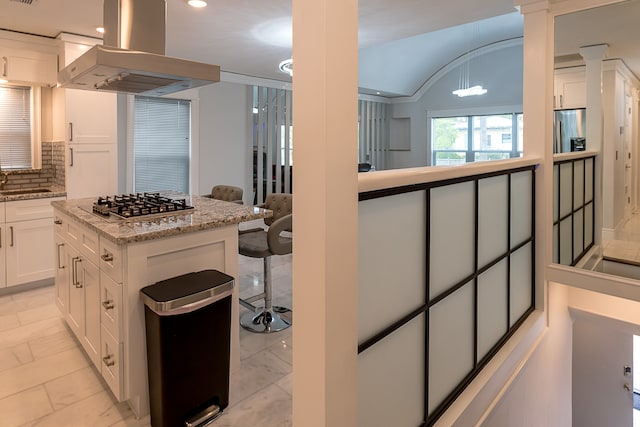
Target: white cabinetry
(87,121)
(90,299)
(116,316)
(570,89)
(20,64)
(26,241)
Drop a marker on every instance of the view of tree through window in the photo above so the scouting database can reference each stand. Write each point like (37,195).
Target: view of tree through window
(464,139)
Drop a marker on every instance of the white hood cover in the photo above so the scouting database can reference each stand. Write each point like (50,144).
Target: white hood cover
(132,59)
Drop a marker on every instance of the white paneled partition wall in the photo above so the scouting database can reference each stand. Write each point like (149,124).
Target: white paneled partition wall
(445,277)
(573,206)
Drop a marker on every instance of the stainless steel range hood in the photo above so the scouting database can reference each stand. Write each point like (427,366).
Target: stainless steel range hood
(132,59)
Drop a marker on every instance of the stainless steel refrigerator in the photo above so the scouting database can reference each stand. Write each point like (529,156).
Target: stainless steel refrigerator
(569,130)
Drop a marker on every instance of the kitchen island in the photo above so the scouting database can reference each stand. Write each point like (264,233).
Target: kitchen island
(102,263)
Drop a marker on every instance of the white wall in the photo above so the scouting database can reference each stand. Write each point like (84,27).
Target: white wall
(500,72)
(224,156)
(540,393)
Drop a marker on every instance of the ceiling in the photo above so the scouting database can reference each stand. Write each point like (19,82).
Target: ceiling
(250,37)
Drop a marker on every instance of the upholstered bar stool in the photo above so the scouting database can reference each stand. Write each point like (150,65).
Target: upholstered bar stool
(258,243)
(228,193)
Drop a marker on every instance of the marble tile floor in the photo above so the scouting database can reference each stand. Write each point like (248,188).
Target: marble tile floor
(47,380)
(626,242)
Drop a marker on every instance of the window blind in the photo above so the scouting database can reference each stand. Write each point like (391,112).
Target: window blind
(15,127)
(161,144)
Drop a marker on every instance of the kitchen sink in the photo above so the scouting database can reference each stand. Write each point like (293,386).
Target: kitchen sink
(21,191)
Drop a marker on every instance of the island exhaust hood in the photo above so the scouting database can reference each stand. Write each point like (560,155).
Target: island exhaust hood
(132,58)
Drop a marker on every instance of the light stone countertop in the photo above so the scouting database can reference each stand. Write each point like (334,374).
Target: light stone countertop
(208,213)
(54,191)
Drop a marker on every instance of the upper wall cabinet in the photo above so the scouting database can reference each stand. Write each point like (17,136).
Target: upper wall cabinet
(569,89)
(22,62)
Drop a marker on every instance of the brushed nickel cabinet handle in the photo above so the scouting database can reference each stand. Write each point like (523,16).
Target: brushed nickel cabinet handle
(107,256)
(108,304)
(57,221)
(11,235)
(71,156)
(5,66)
(108,361)
(59,246)
(76,282)
(0,237)
(70,131)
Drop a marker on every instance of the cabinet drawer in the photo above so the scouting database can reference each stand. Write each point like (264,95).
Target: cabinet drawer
(111,259)
(23,210)
(111,363)
(85,240)
(110,305)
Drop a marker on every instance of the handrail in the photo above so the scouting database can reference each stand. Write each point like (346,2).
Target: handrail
(573,155)
(392,178)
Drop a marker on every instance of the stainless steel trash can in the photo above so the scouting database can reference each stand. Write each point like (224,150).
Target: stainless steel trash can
(188,331)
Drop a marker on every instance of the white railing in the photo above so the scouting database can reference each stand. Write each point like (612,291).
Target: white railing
(446,271)
(573,206)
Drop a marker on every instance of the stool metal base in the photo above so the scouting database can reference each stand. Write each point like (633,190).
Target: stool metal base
(265,322)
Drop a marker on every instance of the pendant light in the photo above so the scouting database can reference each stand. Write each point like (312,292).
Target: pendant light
(463,81)
(197,3)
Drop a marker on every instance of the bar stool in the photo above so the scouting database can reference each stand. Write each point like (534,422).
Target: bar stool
(228,193)
(258,243)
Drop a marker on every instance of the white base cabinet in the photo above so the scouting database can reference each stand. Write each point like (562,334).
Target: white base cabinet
(114,317)
(26,238)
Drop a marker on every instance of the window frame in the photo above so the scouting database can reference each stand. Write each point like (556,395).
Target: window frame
(469,154)
(126,122)
(35,118)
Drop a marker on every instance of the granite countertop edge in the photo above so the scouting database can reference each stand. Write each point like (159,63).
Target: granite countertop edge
(208,214)
(53,191)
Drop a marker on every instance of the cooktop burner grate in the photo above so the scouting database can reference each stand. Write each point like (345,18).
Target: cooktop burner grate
(136,205)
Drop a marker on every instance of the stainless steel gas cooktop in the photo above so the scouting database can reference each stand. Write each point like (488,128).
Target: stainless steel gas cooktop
(139,205)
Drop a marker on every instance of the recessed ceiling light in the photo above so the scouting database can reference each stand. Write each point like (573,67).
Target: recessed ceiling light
(197,3)
(470,91)
(100,30)
(286,66)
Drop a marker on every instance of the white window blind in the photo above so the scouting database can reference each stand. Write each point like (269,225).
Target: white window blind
(15,127)
(161,144)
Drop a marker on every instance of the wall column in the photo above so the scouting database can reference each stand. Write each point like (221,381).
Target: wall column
(593,56)
(537,105)
(325,213)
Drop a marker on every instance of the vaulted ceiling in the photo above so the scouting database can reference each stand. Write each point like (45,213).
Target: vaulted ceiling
(402,42)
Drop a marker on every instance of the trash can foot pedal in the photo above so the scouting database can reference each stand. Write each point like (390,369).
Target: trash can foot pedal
(265,322)
(204,417)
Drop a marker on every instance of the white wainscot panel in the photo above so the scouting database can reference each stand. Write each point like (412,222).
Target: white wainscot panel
(566,256)
(393,370)
(492,307)
(392,255)
(521,208)
(492,218)
(578,233)
(451,325)
(578,184)
(588,190)
(520,281)
(452,231)
(566,185)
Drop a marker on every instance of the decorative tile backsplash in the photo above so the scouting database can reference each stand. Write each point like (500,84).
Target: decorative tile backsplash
(52,172)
